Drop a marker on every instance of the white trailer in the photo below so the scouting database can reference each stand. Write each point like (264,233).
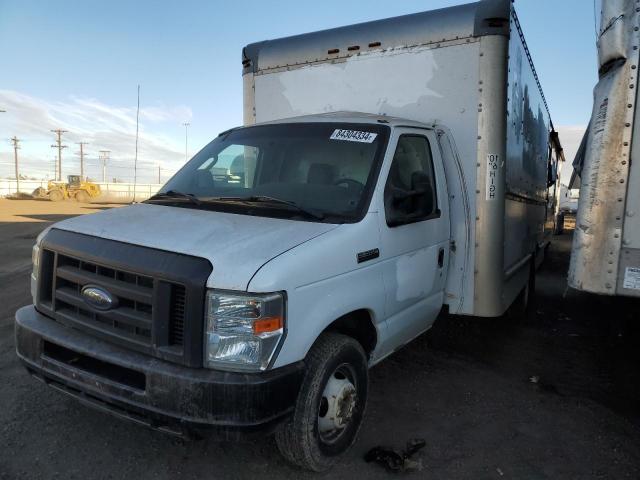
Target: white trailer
(605,258)
(387,171)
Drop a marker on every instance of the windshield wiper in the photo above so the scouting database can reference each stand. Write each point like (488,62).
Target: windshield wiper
(268,199)
(173,194)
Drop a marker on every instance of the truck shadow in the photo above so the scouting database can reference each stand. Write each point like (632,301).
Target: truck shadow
(576,344)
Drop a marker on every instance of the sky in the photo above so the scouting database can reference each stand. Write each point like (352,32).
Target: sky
(76,64)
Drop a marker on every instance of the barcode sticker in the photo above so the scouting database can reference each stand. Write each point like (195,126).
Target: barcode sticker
(632,278)
(353,136)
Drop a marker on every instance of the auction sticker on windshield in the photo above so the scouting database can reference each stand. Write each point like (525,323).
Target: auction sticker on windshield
(353,136)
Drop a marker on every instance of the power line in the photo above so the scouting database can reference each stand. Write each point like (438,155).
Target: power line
(59,146)
(81,153)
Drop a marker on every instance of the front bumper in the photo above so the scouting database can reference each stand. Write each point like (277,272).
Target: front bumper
(153,392)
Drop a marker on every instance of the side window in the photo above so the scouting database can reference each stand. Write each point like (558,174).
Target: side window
(410,192)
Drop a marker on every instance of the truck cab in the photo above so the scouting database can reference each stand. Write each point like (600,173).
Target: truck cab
(338,229)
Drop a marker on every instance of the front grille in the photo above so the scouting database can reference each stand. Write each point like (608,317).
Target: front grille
(159,296)
(131,319)
(176,320)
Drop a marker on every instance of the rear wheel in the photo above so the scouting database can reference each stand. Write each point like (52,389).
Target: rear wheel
(82,197)
(56,196)
(39,193)
(330,405)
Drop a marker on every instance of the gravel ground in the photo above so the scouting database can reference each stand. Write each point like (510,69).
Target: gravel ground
(464,387)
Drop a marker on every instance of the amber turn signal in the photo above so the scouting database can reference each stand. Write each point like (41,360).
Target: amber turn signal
(266,325)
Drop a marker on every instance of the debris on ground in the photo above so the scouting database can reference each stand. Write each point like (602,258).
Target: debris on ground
(396,461)
(543,386)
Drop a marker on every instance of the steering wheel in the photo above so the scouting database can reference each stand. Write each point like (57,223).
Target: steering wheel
(350,183)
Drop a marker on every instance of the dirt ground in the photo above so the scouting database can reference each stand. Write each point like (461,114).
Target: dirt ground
(464,387)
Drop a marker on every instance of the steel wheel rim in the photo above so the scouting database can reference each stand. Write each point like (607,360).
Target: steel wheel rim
(337,404)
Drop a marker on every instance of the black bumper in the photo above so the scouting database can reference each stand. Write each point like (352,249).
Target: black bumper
(150,391)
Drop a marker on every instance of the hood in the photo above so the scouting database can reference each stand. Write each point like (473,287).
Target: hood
(236,245)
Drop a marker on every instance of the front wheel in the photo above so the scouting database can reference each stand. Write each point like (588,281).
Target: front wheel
(82,197)
(330,405)
(56,196)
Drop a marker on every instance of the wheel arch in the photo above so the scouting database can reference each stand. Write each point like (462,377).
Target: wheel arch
(359,325)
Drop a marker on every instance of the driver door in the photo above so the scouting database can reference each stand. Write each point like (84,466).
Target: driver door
(415,234)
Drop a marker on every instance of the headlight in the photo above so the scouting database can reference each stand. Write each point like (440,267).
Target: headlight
(35,261)
(242,331)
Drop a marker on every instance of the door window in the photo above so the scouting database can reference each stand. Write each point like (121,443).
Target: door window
(410,192)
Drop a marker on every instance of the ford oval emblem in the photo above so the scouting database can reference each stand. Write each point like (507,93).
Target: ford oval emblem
(98,298)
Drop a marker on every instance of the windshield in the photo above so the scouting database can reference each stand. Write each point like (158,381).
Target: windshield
(324,170)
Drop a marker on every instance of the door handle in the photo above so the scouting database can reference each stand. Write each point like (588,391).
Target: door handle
(441,258)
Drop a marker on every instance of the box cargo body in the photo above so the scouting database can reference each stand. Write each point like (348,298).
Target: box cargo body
(605,257)
(466,68)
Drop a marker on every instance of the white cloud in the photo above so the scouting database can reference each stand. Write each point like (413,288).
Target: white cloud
(103,126)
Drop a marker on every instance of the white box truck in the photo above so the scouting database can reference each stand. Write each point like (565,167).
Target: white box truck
(386,171)
(605,258)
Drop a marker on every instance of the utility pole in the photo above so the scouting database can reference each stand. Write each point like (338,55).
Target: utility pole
(186,140)
(159,175)
(104,156)
(59,146)
(81,153)
(15,142)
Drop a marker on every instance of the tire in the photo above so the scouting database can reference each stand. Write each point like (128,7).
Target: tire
(56,196)
(39,193)
(305,440)
(83,197)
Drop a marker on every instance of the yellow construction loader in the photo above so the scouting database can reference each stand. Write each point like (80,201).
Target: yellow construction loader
(75,189)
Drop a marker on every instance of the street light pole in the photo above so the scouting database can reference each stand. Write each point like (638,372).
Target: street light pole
(135,162)
(186,140)
(15,140)
(104,156)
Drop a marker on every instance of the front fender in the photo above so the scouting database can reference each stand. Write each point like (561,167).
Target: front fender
(324,282)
